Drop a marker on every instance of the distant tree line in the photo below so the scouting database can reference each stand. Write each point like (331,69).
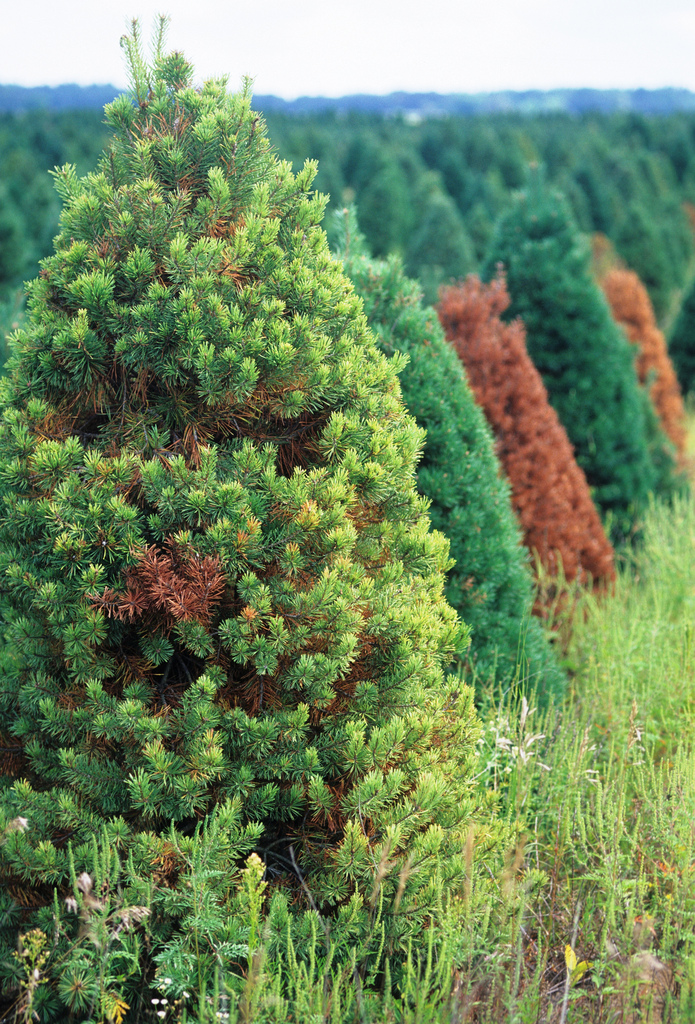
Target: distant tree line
(429,189)
(17,98)
(433,191)
(31,144)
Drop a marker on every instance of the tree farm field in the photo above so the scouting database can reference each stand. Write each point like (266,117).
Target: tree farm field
(280,737)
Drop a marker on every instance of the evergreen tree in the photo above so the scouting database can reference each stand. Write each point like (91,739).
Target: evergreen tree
(13,242)
(640,243)
(222,602)
(549,491)
(386,211)
(681,343)
(632,309)
(439,248)
(490,583)
(584,358)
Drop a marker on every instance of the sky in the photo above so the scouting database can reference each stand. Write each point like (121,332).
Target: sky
(335,47)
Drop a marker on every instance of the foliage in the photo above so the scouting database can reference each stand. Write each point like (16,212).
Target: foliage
(13,243)
(549,491)
(490,583)
(617,171)
(440,248)
(682,342)
(637,241)
(11,316)
(385,205)
(30,144)
(584,358)
(611,168)
(145,507)
(632,309)
(224,626)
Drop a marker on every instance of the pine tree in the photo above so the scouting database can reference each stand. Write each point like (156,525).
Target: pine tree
(386,209)
(640,243)
(681,343)
(583,356)
(222,602)
(13,243)
(490,583)
(439,248)
(632,308)
(549,491)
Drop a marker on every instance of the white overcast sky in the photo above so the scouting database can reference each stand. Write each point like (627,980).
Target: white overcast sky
(334,47)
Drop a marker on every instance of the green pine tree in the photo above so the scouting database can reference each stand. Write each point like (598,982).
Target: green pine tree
(681,343)
(639,242)
(490,584)
(386,207)
(222,601)
(439,248)
(584,358)
(13,243)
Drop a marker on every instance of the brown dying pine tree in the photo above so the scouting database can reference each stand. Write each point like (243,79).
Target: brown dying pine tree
(632,309)
(549,490)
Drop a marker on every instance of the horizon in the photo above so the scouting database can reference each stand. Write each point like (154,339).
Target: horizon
(384,95)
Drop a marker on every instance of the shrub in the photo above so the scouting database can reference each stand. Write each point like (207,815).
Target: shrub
(224,627)
(549,490)
(583,357)
(632,308)
(490,584)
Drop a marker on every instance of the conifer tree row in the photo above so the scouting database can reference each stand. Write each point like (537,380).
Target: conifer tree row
(222,602)
(490,583)
(584,358)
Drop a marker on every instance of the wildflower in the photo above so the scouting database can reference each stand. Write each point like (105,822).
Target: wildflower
(84,883)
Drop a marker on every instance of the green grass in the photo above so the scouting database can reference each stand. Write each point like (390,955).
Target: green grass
(603,791)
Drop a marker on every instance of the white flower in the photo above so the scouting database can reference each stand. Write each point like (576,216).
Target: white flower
(84,883)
